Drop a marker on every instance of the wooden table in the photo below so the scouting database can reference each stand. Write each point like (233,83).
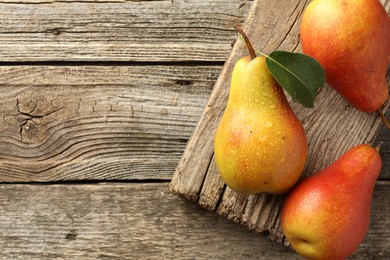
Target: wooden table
(98,101)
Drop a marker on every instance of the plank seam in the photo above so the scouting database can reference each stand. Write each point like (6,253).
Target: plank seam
(71,63)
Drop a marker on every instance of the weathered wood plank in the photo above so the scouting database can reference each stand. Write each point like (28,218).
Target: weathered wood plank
(98,122)
(102,122)
(332,127)
(179,30)
(141,221)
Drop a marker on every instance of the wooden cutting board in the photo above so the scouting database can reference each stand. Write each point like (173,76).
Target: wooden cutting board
(332,126)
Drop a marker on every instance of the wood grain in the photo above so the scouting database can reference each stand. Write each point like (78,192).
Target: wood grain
(98,122)
(332,127)
(179,30)
(142,221)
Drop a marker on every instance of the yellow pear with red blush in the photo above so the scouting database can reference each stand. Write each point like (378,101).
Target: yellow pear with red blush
(260,145)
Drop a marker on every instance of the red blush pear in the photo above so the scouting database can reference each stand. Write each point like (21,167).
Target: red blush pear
(326,216)
(351,40)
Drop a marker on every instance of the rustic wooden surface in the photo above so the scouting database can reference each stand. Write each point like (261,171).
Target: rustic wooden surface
(111,91)
(119,221)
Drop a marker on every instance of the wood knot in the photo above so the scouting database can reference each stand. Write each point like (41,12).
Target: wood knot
(71,235)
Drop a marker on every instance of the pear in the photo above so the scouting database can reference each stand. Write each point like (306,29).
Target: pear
(351,40)
(260,145)
(326,216)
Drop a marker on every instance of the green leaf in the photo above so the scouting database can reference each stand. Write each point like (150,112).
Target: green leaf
(300,75)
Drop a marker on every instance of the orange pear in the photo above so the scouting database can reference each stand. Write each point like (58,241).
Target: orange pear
(326,216)
(351,40)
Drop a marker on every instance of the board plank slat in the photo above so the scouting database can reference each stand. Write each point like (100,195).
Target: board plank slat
(142,221)
(180,30)
(332,127)
(98,122)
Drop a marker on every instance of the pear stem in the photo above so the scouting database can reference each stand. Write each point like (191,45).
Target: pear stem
(252,52)
(384,120)
(378,147)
